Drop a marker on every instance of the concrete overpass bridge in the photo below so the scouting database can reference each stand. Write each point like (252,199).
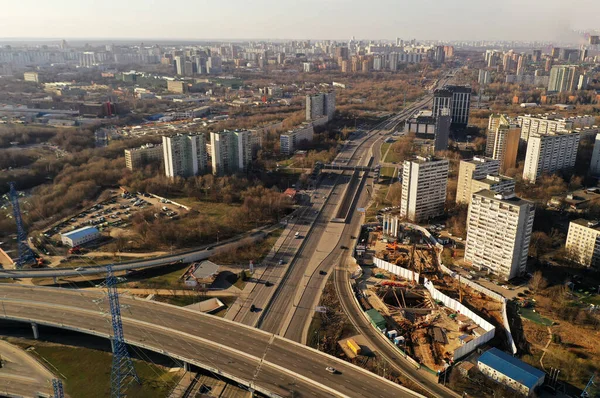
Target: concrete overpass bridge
(264,362)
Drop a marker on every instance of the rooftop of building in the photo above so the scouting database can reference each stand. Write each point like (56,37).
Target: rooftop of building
(481,160)
(491,180)
(578,198)
(145,146)
(427,159)
(206,269)
(506,197)
(592,224)
(512,367)
(81,232)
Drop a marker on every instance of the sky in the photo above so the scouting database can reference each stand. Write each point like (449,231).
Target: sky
(547,20)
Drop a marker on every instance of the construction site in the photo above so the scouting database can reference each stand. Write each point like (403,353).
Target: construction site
(422,327)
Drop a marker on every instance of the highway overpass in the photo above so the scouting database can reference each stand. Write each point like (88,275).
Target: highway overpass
(262,361)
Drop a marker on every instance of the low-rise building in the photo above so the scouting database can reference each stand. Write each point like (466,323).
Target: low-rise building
(80,236)
(510,371)
(136,158)
(583,242)
(288,142)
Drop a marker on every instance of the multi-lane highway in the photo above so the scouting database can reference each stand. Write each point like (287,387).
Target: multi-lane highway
(266,280)
(265,362)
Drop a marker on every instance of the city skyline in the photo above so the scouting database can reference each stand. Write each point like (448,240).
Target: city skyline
(305,19)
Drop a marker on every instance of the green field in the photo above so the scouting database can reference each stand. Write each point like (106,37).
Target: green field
(528,313)
(389,172)
(159,278)
(86,372)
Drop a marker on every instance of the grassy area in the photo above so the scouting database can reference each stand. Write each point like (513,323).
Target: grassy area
(384,148)
(378,203)
(535,317)
(388,172)
(159,278)
(87,372)
(89,261)
(253,252)
(392,157)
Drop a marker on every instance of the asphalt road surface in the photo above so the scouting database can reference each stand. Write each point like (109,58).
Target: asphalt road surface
(265,361)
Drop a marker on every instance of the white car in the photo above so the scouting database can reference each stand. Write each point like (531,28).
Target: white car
(78,269)
(331,370)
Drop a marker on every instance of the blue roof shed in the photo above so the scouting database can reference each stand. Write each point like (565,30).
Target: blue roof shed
(512,367)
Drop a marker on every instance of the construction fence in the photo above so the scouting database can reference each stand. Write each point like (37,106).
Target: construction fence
(459,308)
(489,293)
(396,270)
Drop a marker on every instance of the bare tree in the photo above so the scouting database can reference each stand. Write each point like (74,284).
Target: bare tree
(537,282)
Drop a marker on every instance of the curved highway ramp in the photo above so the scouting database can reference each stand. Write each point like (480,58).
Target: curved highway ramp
(263,361)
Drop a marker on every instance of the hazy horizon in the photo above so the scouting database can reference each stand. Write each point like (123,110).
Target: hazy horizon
(536,20)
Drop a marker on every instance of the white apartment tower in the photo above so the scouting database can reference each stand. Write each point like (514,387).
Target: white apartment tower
(424,182)
(477,168)
(184,155)
(583,242)
(231,151)
(498,233)
(548,153)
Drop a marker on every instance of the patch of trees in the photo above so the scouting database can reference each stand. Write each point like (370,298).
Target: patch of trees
(25,135)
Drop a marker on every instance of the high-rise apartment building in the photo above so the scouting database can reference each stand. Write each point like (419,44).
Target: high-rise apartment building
(214,65)
(457,99)
(498,233)
(484,77)
(184,155)
(542,124)
(288,142)
(136,158)
(583,242)
(502,141)
(548,153)
(563,78)
(319,105)
(424,182)
(231,151)
(477,168)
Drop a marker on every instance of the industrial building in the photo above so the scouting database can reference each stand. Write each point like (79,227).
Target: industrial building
(510,371)
(136,158)
(424,182)
(80,236)
(185,155)
(498,233)
(583,242)
(548,153)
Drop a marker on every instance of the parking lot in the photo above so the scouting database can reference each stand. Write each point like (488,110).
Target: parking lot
(114,214)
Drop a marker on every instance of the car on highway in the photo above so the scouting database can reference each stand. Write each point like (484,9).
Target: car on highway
(78,269)
(252,308)
(321,272)
(280,262)
(268,284)
(331,370)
